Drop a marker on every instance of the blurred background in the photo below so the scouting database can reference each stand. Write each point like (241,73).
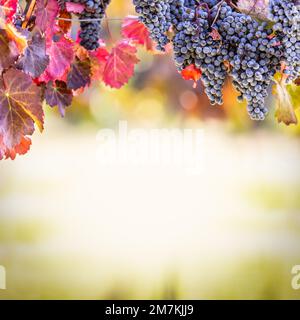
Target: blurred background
(72,228)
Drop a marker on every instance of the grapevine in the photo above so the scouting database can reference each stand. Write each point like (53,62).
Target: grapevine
(209,40)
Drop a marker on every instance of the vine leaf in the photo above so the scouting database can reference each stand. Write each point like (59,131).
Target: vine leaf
(58,94)
(64,21)
(215,34)
(8,8)
(284,104)
(8,51)
(61,55)
(35,59)
(98,62)
(191,73)
(20,107)
(74,7)
(257,8)
(15,36)
(21,148)
(46,12)
(137,32)
(120,65)
(79,75)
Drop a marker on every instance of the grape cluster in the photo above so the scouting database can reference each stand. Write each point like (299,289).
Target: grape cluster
(253,54)
(286,16)
(219,40)
(155,15)
(194,44)
(90,21)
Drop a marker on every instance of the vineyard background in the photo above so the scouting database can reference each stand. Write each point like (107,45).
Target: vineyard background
(68,224)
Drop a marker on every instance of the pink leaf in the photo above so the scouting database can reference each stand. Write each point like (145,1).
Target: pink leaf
(8,7)
(136,31)
(61,55)
(120,65)
(46,12)
(98,62)
(74,7)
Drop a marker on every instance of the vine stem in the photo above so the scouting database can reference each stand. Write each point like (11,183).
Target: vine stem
(90,19)
(218,13)
(30,6)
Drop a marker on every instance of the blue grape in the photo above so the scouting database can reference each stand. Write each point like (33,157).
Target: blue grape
(155,15)
(94,12)
(286,16)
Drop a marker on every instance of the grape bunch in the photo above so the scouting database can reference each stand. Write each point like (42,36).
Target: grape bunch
(285,15)
(90,30)
(155,15)
(221,41)
(90,21)
(194,44)
(253,54)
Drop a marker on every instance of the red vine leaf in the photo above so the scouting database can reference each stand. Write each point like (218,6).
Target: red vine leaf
(120,64)
(98,62)
(65,25)
(20,107)
(137,32)
(215,34)
(191,73)
(21,148)
(9,8)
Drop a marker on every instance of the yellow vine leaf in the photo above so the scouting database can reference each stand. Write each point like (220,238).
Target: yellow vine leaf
(14,35)
(286,102)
